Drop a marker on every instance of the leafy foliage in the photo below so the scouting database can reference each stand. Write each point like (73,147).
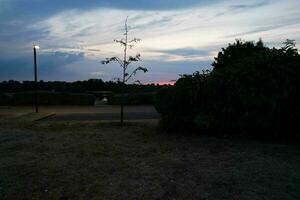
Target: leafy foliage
(252,90)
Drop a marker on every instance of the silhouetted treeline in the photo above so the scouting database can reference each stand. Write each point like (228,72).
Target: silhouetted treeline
(73,87)
(252,90)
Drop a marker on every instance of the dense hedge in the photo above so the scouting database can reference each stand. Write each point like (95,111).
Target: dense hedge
(60,98)
(90,85)
(49,98)
(252,90)
(57,98)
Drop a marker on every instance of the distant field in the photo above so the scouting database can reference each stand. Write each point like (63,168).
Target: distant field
(106,161)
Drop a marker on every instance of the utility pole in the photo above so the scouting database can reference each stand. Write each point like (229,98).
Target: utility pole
(35,47)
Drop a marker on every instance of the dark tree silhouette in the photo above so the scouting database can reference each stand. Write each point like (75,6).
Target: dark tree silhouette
(74,87)
(252,90)
(125,63)
(237,51)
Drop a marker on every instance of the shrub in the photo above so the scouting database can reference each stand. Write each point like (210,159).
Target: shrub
(255,94)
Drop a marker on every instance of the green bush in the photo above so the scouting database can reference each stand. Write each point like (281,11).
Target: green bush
(255,94)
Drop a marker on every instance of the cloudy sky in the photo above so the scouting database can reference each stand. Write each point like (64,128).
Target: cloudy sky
(178,37)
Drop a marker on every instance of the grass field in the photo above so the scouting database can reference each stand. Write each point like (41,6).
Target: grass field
(138,161)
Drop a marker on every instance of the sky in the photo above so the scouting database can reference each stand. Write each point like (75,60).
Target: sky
(178,37)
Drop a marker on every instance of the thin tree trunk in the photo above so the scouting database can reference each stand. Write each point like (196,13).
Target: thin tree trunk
(124,73)
(122,105)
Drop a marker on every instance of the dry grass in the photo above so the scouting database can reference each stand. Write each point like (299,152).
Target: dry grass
(106,161)
(21,118)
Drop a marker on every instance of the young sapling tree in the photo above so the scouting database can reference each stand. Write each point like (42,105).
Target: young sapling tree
(125,63)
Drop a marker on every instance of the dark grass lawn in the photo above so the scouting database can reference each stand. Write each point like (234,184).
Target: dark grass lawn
(106,161)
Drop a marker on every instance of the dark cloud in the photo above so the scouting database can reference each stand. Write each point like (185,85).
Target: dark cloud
(33,9)
(50,65)
(167,71)
(16,69)
(242,7)
(62,58)
(74,66)
(237,7)
(21,33)
(178,67)
(17,35)
(16,16)
(160,22)
(277,23)
(186,52)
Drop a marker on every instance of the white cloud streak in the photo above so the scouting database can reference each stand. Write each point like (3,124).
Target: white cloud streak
(205,28)
(201,27)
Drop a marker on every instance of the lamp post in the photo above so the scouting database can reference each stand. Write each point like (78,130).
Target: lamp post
(35,47)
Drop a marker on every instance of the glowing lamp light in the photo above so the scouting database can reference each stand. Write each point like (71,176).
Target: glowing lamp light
(36,47)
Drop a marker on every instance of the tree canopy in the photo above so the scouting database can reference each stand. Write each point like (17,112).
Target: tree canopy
(252,90)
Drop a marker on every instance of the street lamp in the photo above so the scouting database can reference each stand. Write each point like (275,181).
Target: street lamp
(35,47)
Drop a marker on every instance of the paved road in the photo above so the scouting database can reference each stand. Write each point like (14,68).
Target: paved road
(75,109)
(85,113)
(102,116)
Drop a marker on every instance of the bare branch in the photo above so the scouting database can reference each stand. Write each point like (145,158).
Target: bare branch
(135,40)
(122,42)
(137,82)
(140,68)
(136,58)
(112,59)
(131,59)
